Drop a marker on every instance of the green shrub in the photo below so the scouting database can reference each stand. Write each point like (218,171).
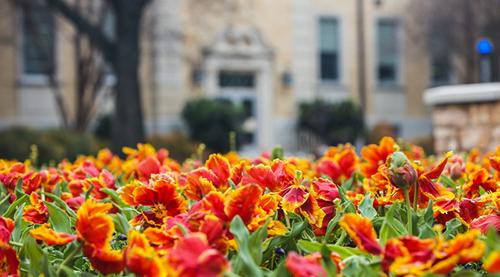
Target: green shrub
(179,146)
(334,123)
(53,145)
(212,120)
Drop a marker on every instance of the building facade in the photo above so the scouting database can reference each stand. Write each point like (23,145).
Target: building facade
(268,56)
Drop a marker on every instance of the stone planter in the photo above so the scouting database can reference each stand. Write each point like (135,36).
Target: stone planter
(465,116)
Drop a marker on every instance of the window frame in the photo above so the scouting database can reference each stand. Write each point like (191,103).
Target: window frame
(339,66)
(399,53)
(33,79)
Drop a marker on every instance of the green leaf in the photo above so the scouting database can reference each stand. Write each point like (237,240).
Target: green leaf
(19,188)
(244,263)
(366,207)
(89,191)
(4,203)
(286,241)
(15,205)
(426,231)
(231,183)
(61,203)
(19,224)
(344,251)
(429,214)
(391,227)
(453,227)
(47,268)
(492,240)
(34,254)
(114,195)
(58,218)
(326,261)
(466,273)
(447,182)
(68,272)
(347,185)
(331,225)
(121,223)
(280,271)
(357,265)
(255,242)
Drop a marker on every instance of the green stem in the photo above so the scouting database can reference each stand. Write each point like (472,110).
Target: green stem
(341,238)
(5,199)
(408,211)
(415,197)
(68,259)
(287,221)
(14,243)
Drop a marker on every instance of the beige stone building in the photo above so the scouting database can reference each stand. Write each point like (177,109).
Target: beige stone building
(267,55)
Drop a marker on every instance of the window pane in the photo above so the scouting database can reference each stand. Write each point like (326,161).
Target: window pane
(329,49)
(388,51)
(440,61)
(38,40)
(236,79)
(329,66)
(328,35)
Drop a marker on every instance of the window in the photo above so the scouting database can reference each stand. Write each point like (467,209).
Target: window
(236,79)
(387,52)
(440,61)
(329,49)
(37,41)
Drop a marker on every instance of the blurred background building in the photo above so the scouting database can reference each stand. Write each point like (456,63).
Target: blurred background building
(266,56)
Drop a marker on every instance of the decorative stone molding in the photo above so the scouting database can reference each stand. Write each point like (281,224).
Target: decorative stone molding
(465,116)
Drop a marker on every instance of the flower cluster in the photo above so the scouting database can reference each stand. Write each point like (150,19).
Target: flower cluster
(389,210)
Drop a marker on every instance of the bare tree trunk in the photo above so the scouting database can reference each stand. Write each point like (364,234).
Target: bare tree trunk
(468,42)
(128,120)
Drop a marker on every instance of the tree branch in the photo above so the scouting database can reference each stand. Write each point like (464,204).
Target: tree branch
(93,32)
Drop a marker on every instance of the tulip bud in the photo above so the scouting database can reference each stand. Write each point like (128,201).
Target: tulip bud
(456,167)
(400,171)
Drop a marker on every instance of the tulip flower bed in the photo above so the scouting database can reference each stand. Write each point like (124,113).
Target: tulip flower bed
(389,211)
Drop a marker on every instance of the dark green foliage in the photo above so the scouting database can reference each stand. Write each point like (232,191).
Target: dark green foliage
(179,145)
(211,120)
(104,126)
(333,123)
(53,145)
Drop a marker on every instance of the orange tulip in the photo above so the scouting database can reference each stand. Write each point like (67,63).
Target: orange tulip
(241,201)
(360,229)
(51,237)
(36,212)
(192,257)
(375,155)
(6,228)
(297,198)
(309,265)
(9,262)
(141,258)
(94,228)
(160,195)
(106,260)
(338,163)
(93,225)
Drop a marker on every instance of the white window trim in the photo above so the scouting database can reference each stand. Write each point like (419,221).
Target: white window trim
(30,79)
(340,58)
(398,82)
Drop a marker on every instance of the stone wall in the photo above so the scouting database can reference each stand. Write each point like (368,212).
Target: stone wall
(466,125)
